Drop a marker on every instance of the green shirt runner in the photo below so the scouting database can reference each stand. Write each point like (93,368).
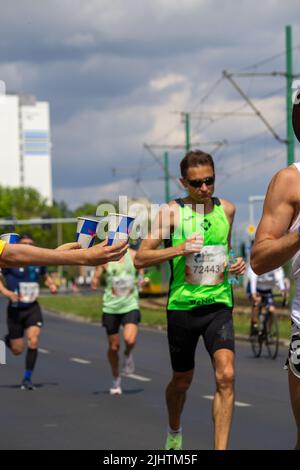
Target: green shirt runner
(121,292)
(200,279)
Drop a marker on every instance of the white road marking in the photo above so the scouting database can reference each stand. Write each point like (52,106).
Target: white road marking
(137,377)
(79,361)
(237,403)
(43,351)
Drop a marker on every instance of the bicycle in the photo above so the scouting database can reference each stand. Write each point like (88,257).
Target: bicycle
(268,329)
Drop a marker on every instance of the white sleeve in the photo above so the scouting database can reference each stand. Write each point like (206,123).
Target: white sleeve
(253,280)
(279,278)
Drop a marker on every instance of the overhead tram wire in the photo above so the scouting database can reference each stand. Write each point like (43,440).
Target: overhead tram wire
(258,64)
(202,99)
(267,60)
(160,163)
(244,105)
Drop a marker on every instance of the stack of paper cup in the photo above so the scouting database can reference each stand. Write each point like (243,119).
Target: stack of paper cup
(10,238)
(86,231)
(119,228)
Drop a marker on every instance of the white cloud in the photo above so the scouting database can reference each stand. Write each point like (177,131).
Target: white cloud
(19,76)
(166,81)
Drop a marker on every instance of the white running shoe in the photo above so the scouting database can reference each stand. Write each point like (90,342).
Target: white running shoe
(116,387)
(128,365)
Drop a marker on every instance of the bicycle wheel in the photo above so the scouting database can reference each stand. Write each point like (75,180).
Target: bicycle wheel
(256,344)
(272,335)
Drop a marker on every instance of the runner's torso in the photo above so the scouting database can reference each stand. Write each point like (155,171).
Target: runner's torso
(24,282)
(200,279)
(121,291)
(295,313)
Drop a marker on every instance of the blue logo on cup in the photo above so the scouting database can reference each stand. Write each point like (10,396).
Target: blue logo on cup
(119,228)
(10,238)
(86,231)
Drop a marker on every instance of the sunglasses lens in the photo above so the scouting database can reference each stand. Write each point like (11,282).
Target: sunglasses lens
(198,183)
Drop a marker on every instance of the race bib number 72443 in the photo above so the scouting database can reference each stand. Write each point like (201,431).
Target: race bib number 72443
(206,267)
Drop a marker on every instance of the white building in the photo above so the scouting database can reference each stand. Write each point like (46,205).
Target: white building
(25,144)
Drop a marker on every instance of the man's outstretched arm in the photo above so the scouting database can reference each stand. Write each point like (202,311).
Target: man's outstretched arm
(24,255)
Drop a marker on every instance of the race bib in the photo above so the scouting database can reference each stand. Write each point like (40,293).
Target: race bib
(29,292)
(122,286)
(206,267)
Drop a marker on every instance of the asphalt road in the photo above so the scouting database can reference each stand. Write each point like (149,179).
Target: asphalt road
(71,407)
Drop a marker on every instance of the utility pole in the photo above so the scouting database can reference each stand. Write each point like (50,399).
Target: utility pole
(186,118)
(166,178)
(289,104)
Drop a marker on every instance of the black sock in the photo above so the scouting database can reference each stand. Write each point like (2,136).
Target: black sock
(31,358)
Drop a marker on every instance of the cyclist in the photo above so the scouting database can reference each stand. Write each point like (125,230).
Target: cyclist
(260,289)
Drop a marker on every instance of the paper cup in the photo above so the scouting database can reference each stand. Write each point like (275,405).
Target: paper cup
(86,231)
(10,238)
(119,227)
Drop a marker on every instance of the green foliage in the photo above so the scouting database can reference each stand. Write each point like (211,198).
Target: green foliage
(27,203)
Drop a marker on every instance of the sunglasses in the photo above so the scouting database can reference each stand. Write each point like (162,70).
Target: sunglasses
(209,181)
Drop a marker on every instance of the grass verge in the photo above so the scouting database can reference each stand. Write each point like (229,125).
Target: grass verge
(90,306)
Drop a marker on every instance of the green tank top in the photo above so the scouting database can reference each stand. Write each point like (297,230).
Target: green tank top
(200,279)
(121,291)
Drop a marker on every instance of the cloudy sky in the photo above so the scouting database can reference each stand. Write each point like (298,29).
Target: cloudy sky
(118,73)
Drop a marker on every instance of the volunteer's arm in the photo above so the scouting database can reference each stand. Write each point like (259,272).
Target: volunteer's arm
(24,255)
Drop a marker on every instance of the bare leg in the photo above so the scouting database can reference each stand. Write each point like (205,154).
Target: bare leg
(130,334)
(113,354)
(17,346)
(33,333)
(223,362)
(176,395)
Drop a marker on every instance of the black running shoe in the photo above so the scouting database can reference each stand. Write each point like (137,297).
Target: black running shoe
(27,385)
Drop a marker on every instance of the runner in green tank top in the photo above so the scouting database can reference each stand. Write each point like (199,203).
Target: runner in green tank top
(120,307)
(196,231)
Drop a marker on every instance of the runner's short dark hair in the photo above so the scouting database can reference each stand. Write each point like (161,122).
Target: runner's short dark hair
(195,158)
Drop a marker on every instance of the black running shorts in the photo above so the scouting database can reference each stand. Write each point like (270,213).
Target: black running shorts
(113,321)
(293,360)
(19,319)
(213,322)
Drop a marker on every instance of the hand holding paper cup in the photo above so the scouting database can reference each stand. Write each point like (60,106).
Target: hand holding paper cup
(10,238)
(86,231)
(119,228)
